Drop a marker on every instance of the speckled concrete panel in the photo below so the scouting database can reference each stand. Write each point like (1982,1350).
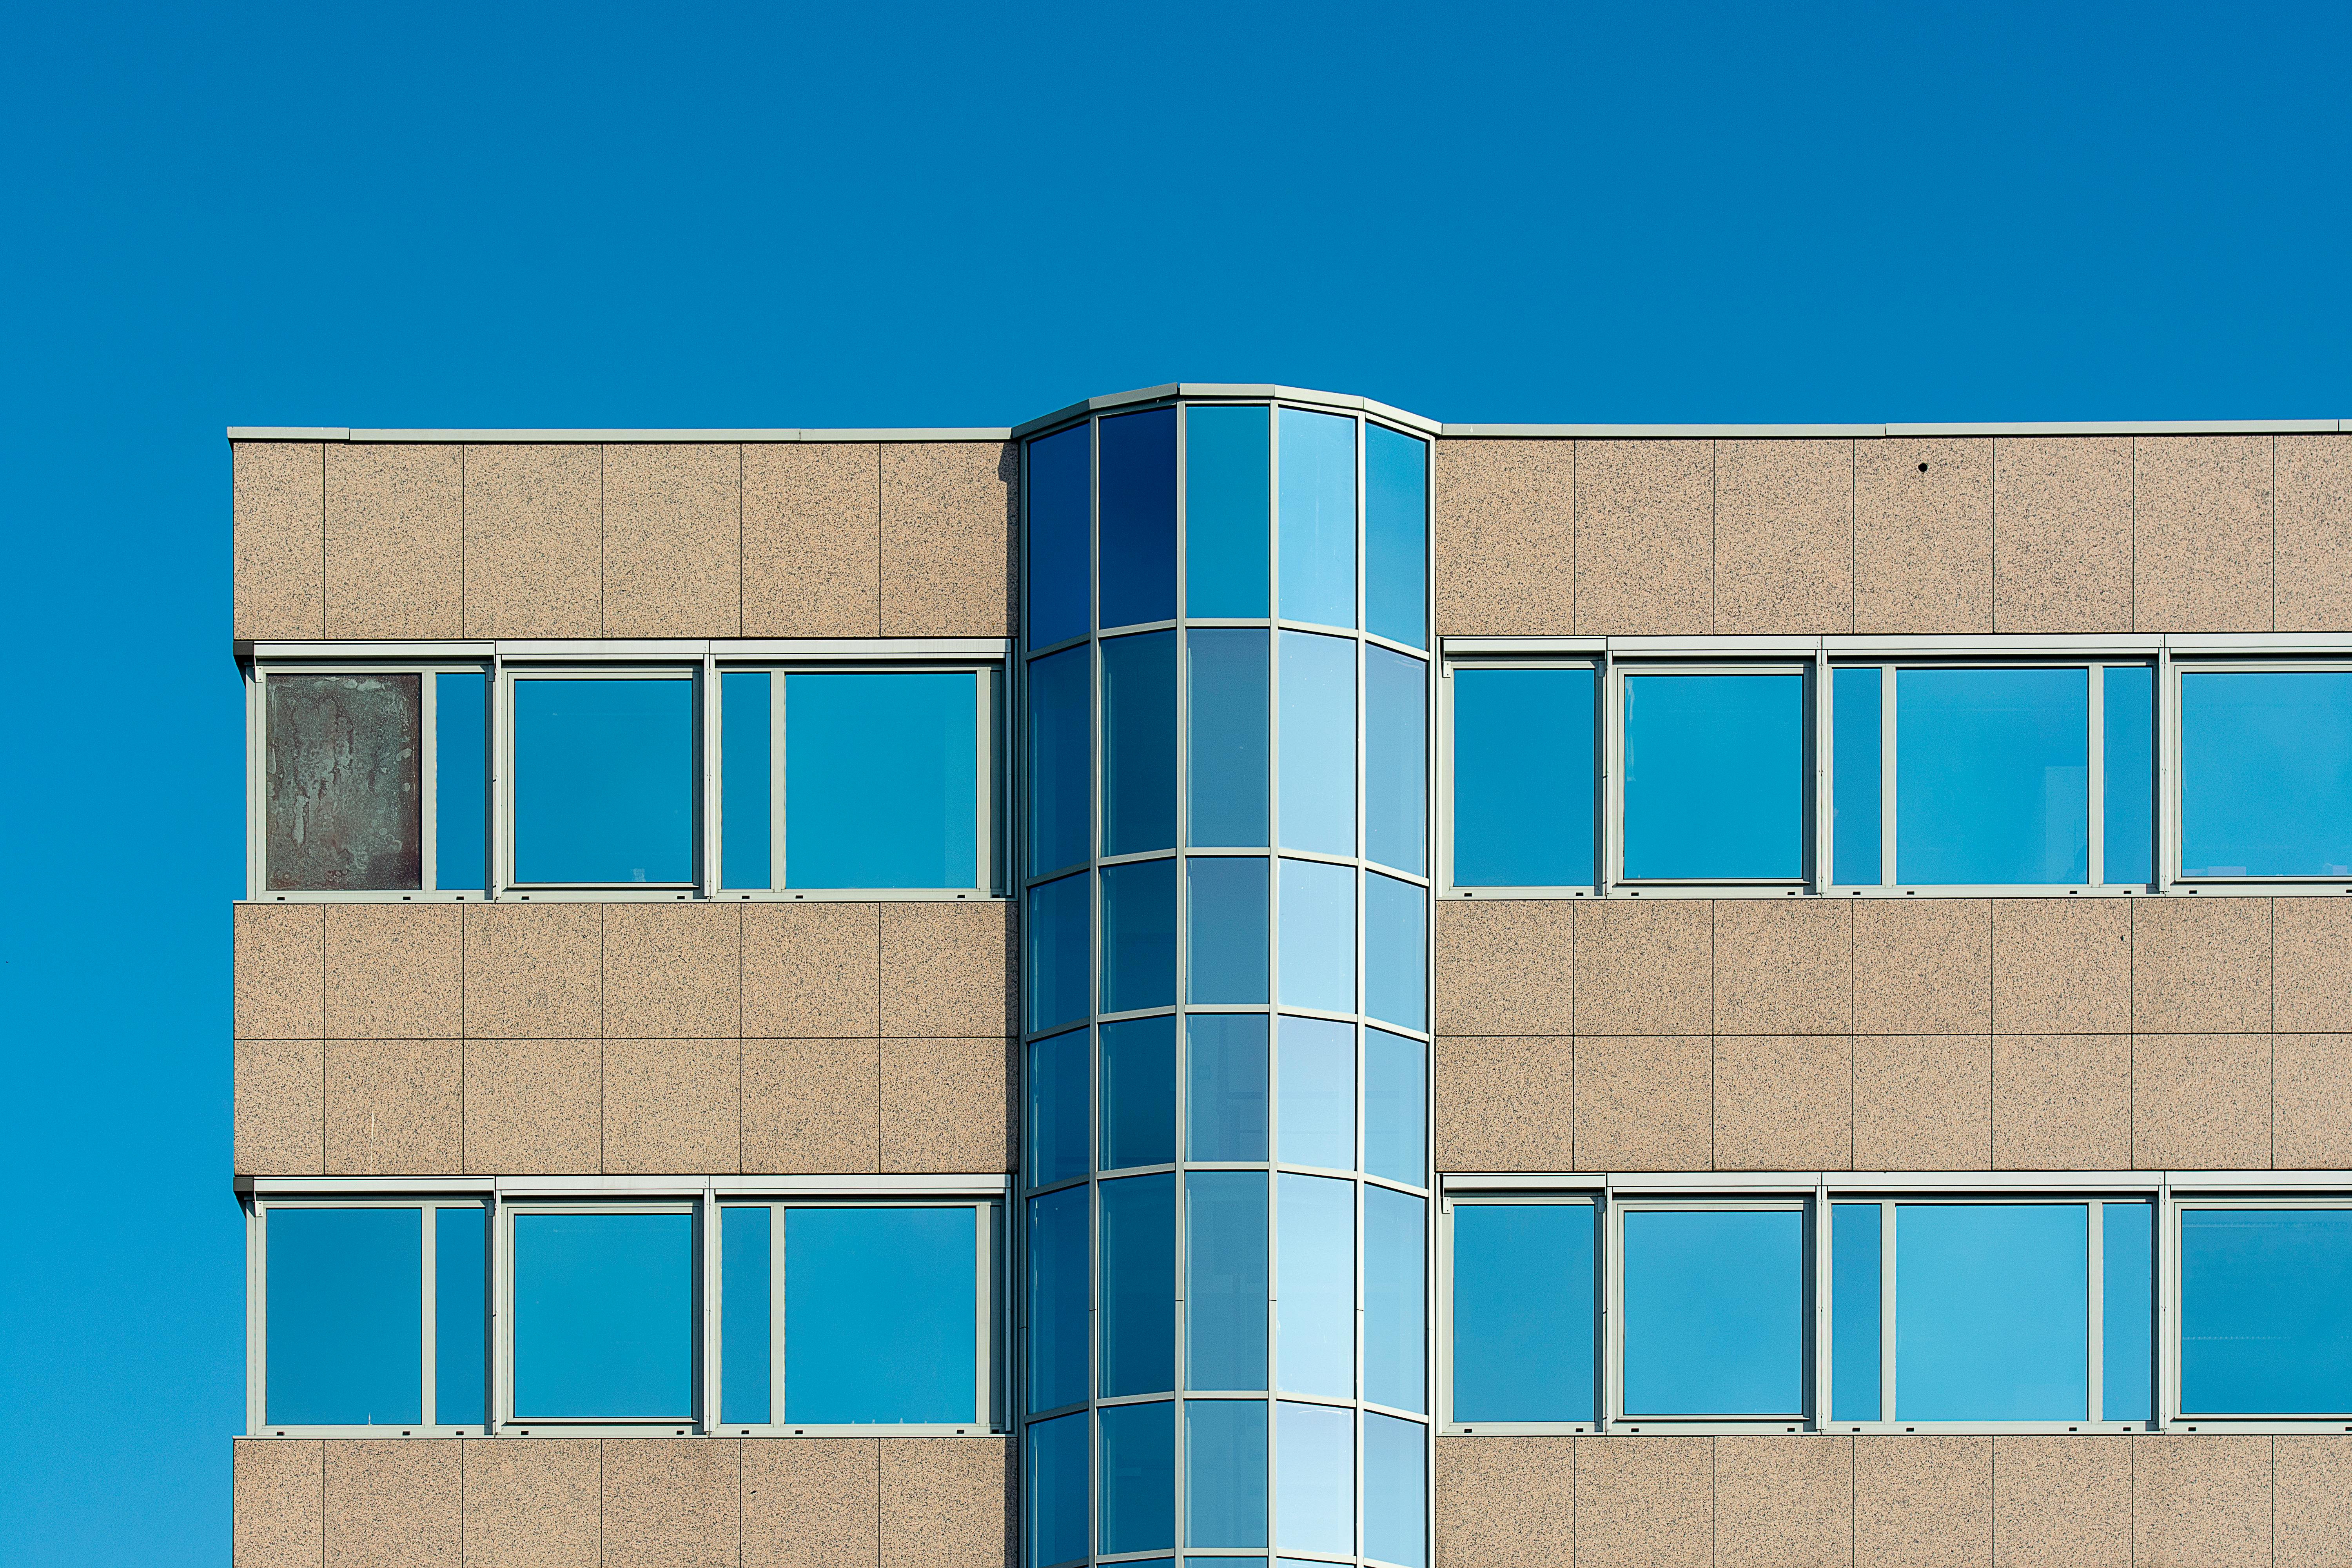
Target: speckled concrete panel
(946,538)
(2061,965)
(947,968)
(2200,964)
(532,1504)
(534,542)
(1783,536)
(394,971)
(811,1106)
(279,491)
(2311,1494)
(947,1104)
(812,540)
(393,1504)
(1923,536)
(1506,967)
(392,1108)
(2062,534)
(947,1502)
(1506,537)
(1783,1502)
(279,1095)
(673,540)
(2200,1500)
(2061,1501)
(1783,967)
(1922,1102)
(1645,537)
(1645,1503)
(673,1105)
(274,1509)
(2202,532)
(2202,1102)
(1506,1502)
(672,1502)
(394,522)
(1505,1102)
(2311,1103)
(1644,1102)
(2311,940)
(1783,1102)
(1922,1502)
(2313,566)
(812,971)
(1645,968)
(534,970)
(673,969)
(811,1502)
(2062,1102)
(1922,966)
(280,961)
(534,1107)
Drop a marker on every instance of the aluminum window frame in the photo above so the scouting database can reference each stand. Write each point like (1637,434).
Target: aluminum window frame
(2262,1194)
(702,696)
(703,1310)
(1805,666)
(2170,741)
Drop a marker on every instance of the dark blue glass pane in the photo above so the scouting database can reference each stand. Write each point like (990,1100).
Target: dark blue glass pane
(746,757)
(1523,778)
(1396,1107)
(461,784)
(1139,518)
(1396,535)
(1319,936)
(1056,1470)
(1396,758)
(1224,1102)
(1139,697)
(1138,1090)
(1315,1288)
(1061,766)
(2263,1327)
(1316,1108)
(1139,963)
(1318,743)
(1858,753)
(1057,1299)
(1319,517)
(460,1317)
(1715,776)
(1224,1282)
(1394,1276)
(881,780)
(1224,1476)
(1058,1093)
(1990,1312)
(1138,1478)
(1060,921)
(1855,1303)
(2266,774)
(881,1314)
(1992,777)
(1138,1286)
(1523,1312)
(1396,952)
(1226,486)
(746,1314)
(1225,930)
(1061,507)
(1714,1312)
(1314,1478)
(1227,763)
(2127,1309)
(604,788)
(1396,1490)
(345,1317)
(604,1321)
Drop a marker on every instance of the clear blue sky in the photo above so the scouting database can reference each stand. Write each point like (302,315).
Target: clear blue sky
(686,215)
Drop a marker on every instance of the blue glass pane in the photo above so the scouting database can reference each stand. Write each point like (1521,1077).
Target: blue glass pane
(881,1314)
(1990,1312)
(604,788)
(1319,936)
(1225,930)
(1318,743)
(1061,770)
(1394,1277)
(1138,1093)
(1058,1092)
(2128,708)
(1523,778)
(1858,753)
(1139,518)
(1139,959)
(1224,1100)
(1315,1288)
(2263,1329)
(1396,758)
(345,1317)
(461,784)
(1056,1470)
(603,1325)
(746,1311)
(460,1317)
(1714,1312)
(1226,486)
(1056,938)
(746,762)
(1523,1312)
(1138,1286)
(1314,1478)
(1229,729)
(1224,1282)
(1138,1478)
(1715,776)
(1317,1109)
(2127,1309)
(1061,508)
(1992,777)
(1224,1476)
(1855,1303)
(881,780)
(2266,774)
(1319,517)
(1057,1299)
(1396,952)
(1396,1107)
(1396,1489)
(1396,535)
(1138,743)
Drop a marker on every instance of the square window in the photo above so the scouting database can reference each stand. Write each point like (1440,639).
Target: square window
(1524,762)
(1525,1300)
(1714,1312)
(2266,772)
(1715,776)
(603,1323)
(604,780)
(2264,1326)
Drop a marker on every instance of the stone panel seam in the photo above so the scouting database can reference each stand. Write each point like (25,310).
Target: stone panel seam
(322,632)
(1572,448)
(1713,1491)
(603,462)
(879,509)
(2271,1124)
(1853,542)
(461,575)
(600,1445)
(2274,613)
(1714,1036)
(603,1028)
(1713,566)
(2131,1040)
(739,632)
(2135,533)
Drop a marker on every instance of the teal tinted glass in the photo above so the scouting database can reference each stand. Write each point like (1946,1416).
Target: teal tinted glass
(1057,1078)
(1137,1286)
(2128,710)
(1396,536)
(1315,1285)
(1992,777)
(1138,730)
(1316,1110)
(1990,1310)
(604,1317)
(1224,1476)
(1858,751)
(1226,795)
(2266,774)
(604,786)
(460,1317)
(1138,925)
(746,764)
(344,1317)
(1227,487)
(1061,770)
(881,780)
(1319,936)
(1396,758)
(881,1313)
(1224,1281)
(1714,1312)
(1137,497)
(1857,1237)
(1396,952)
(1056,937)
(461,783)
(1523,777)
(1060,556)
(1394,1321)
(1319,517)
(1318,743)
(1055,1469)
(1396,1107)
(1715,776)
(746,1315)
(1523,1312)
(1138,1093)
(1138,1492)
(1225,928)
(1315,1486)
(1396,1490)
(1225,1103)
(2263,1329)
(1057,1299)
(2127,1309)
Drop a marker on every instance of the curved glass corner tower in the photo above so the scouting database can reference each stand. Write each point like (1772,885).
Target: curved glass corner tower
(1226,855)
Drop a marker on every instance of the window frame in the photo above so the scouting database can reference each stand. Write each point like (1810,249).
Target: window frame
(2268,1194)
(1810,766)
(2169,739)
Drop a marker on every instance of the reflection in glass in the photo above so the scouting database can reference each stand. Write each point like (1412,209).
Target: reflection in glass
(1318,743)
(1316,1110)
(1057,1108)
(1523,1311)
(1225,1475)
(1224,1105)
(746,769)
(460,1300)
(1714,1312)
(1139,518)
(604,1316)
(1396,1490)
(1138,1284)
(1138,743)
(1224,1280)
(1396,535)
(2128,1297)
(1138,964)
(1993,778)
(1319,517)
(2128,711)
(1856,1240)
(2264,1329)
(1396,758)
(1990,1311)
(1715,776)
(461,775)
(1315,1288)
(1057,1299)
(1396,1107)
(1229,729)
(1394,1232)
(1225,504)
(746,1311)
(1858,750)
(1056,1471)
(1396,952)
(1314,1478)
(1061,510)
(1060,774)
(881,775)
(879,1316)
(344,781)
(603,781)
(1056,940)
(1138,1092)
(344,1317)
(1225,928)
(1523,777)
(1319,936)
(1138,1478)
(2266,774)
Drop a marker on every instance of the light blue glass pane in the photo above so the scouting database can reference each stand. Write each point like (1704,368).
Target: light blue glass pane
(881,780)
(1138,1478)
(461,784)
(1523,777)
(1057,1299)
(1139,518)
(1225,505)
(1396,1107)
(880,1314)
(1061,507)
(1138,1090)
(1396,1489)
(604,788)
(2129,713)
(1858,753)
(1224,1102)
(746,756)
(1396,758)
(1319,936)
(2266,774)
(1316,1111)
(1314,1478)
(746,1309)
(1855,1301)
(345,1317)
(1138,959)
(2127,1308)
(1992,777)
(460,1317)
(1990,1312)
(1138,1286)
(1228,760)
(1057,941)
(1058,1092)
(1138,743)
(1523,1312)
(1318,743)
(1225,1283)
(1224,1476)
(1315,1288)
(1061,772)
(2263,1329)
(1395,1273)
(1396,952)
(1396,535)
(603,1325)
(1056,1470)
(1715,776)
(1714,1312)
(1225,930)
(1319,517)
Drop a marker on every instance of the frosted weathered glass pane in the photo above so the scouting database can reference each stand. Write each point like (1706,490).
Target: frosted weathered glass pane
(344,772)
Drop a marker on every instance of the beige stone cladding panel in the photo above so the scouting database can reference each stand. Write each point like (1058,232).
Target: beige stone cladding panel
(2201,1501)
(2062,965)
(534,1107)
(1783,536)
(1922,966)
(1922,1102)
(1506,967)
(1783,1102)
(812,540)
(1506,537)
(1645,537)
(2311,1481)
(2062,1102)
(2311,1103)
(2062,534)
(2061,1502)
(1922,1502)
(812,971)
(1923,536)
(280,1103)
(1644,1102)
(2202,1102)
(672,1502)
(534,1503)
(673,1105)
(1783,1502)
(2313,565)
(392,1108)
(946,538)
(534,542)
(1506,1502)
(279,954)
(673,971)
(534,971)
(673,553)
(393,1504)
(1645,1503)
(395,526)
(2311,946)
(394,971)
(813,1106)
(275,1505)
(811,1502)
(277,492)
(947,1502)
(947,1104)
(1505,1102)
(1783,967)
(947,968)
(2201,965)
(2201,533)
(1645,968)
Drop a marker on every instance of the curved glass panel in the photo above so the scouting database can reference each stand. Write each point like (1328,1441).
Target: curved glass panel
(1139,1092)
(1225,1475)
(1315,1296)
(1058,972)
(1056,1470)
(1992,777)
(1138,1286)
(1715,776)
(1316,1105)
(1057,1299)
(1056,1144)
(1224,1102)
(1059,781)
(1060,504)
(1396,1490)
(1227,496)
(1396,1107)
(1139,967)
(1138,1498)
(1396,760)
(1139,518)
(1523,747)
(1395,1225)
(1138,686)
(1396,952)
(1396,535)
(1319,936)
(1315,1467)
(2266,774)
(1318,743)
(1224,1282)
(1227,730)
(1319,517)
(1226,920)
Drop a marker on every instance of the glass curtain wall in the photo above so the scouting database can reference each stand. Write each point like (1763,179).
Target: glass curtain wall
(1225,864)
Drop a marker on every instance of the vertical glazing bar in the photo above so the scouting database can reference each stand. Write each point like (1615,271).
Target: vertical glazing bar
(501,823)
(428,833)
(1824,756)
(1613,771)
(707,1346)
(256,825)
(983,1317)
(501,1369)
(2098,788)
(2168,768)
(256,1298)
(2167,1305)
(707,740)
(1824,1335)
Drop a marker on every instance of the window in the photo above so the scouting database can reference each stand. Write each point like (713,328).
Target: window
(2265,771)
(1715,764)
(603,772)
(2264,1330)
(1526,1310)
(1525,751)
(602,1319)
(1713,1311)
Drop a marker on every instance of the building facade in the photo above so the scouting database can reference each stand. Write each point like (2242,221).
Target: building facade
(1235,976)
